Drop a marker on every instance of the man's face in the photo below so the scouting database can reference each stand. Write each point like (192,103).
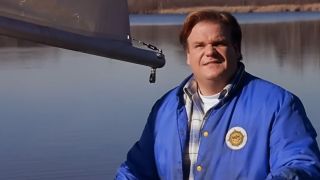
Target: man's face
(211,54)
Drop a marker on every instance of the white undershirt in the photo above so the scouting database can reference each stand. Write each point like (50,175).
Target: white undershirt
(209,101)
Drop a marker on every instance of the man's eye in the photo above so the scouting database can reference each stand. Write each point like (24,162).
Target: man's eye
(220,44)
(198,45)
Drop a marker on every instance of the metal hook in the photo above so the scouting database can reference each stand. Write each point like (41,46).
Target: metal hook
(152,78)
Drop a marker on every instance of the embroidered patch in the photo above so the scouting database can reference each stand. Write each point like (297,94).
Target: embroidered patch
(236,138)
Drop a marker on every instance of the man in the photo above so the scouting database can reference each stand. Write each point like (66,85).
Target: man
(222,122)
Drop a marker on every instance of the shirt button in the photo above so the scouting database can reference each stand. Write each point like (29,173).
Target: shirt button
(199,168)
(205,134)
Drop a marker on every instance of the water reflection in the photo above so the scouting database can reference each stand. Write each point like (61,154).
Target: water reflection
(20,54)
(68,115)
(292,44)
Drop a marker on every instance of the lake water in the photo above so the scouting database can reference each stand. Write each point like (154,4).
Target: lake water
(71,116)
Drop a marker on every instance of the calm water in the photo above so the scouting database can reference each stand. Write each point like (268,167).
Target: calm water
(72,116)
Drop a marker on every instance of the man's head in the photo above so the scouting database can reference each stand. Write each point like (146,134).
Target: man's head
(223,18)
(212,42)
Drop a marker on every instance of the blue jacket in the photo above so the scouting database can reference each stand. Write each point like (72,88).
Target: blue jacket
(281,142)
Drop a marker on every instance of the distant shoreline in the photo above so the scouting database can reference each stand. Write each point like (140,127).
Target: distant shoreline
(312,7)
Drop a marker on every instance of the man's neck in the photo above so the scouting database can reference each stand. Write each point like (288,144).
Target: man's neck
(210,88)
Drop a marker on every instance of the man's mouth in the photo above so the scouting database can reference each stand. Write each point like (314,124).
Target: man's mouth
(212,61)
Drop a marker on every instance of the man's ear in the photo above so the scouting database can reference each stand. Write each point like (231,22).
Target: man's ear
(188,57)
(186,50)
(237,49)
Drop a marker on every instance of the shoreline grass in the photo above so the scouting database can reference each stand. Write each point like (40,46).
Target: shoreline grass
(311,7)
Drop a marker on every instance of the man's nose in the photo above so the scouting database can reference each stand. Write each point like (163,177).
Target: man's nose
(210,50)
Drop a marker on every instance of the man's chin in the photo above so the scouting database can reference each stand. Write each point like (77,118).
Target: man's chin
(214,78)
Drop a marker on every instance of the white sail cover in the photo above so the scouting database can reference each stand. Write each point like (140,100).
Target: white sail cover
(98,27)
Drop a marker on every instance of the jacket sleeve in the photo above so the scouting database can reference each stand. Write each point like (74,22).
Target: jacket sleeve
(294,153)
(140,163)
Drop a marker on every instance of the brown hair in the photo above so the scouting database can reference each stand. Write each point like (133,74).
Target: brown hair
(222,18)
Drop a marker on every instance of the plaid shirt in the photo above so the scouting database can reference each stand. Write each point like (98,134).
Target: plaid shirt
(197,116)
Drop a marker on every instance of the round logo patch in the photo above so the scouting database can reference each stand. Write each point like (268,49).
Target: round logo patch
(236,138)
